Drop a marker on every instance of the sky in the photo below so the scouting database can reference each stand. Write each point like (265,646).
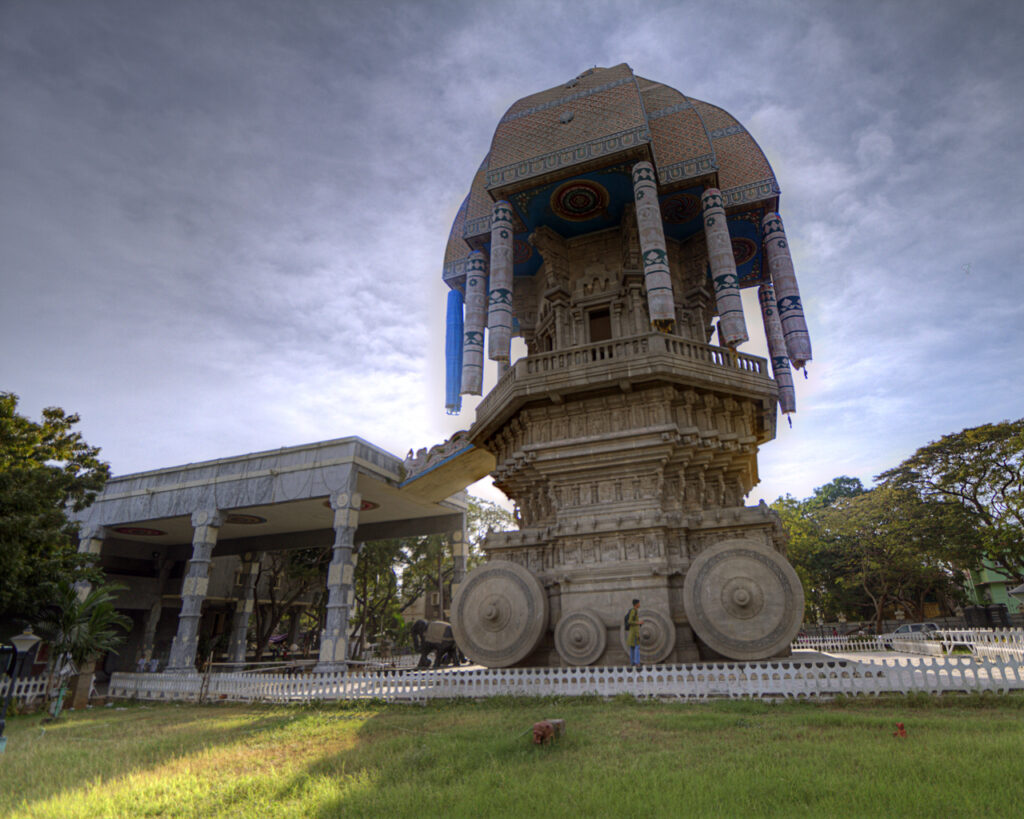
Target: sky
(222,223)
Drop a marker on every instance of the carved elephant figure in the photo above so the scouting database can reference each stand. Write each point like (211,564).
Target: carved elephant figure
(435,636)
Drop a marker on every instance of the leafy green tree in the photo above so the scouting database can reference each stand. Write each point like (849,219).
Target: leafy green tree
(430,563)
(982,469)
(859,552)
(896,548)
(283,578)
(391,575)
(482,518)
(815,562)
(82,626)
(377,584)
(46,470)
(835,491)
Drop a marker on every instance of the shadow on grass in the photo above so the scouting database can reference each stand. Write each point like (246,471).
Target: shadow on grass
(83,747)
(476,758)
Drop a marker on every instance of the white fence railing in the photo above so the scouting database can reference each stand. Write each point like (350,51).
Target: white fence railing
(772,679)
(918,644)
(843,644)
(397,661)
(25,690)
(994,644)
(989,643)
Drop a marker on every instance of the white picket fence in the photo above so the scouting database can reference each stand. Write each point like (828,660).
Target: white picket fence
(845,644)
(697,681)
(993,644)
(913,644)
(25,690)
(988,643)
(1006,644)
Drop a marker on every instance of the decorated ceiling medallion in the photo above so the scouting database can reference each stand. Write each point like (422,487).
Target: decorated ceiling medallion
(579,200)
(521,251)
(680,208)
(244,520)
(365,506)
(139,530)
(743,249)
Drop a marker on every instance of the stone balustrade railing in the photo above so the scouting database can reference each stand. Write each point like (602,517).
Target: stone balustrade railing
(600,354)
(697,681)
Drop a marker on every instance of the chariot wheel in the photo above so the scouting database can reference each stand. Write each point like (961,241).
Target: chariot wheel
(743,599)
(580,637)
(657,636)
(499,614)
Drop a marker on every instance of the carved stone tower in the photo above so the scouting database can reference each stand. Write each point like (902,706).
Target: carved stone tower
(612,226)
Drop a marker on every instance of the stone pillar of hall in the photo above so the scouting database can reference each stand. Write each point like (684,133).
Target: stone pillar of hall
(205,524)
(90,542)
(458,540)
(294,617)
(340,576)
(152,620)
(248,568)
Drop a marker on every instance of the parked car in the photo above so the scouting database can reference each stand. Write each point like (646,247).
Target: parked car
(912,631)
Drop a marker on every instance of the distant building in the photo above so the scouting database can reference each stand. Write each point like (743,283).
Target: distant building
(987,586)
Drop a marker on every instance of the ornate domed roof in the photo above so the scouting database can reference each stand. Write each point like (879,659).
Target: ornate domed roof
(563,157)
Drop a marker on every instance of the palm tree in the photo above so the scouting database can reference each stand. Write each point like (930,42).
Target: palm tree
(80,628)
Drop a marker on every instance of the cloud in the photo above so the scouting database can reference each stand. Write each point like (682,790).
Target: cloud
(223,224)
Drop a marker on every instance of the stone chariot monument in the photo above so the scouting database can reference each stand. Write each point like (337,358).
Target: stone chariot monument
(612,226)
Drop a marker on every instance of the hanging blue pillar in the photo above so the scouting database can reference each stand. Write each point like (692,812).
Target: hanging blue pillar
(453,354)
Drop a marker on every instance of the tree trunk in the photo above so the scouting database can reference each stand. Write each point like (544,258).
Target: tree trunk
(81,684)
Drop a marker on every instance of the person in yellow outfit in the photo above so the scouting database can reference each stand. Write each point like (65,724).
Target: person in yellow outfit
(633,638)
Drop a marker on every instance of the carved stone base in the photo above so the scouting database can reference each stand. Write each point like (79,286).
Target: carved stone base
(743,601)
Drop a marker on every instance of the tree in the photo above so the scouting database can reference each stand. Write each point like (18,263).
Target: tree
(81,627)
(46,470)
(897,548)
(377,583)
(430,563)
(816,564)
(283,578)
(982,469)
(391,575)
(859,552)
(482,518)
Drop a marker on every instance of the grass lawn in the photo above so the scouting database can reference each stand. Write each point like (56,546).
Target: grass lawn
(962,756)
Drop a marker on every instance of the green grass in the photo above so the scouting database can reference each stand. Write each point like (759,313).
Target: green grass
(620,758)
